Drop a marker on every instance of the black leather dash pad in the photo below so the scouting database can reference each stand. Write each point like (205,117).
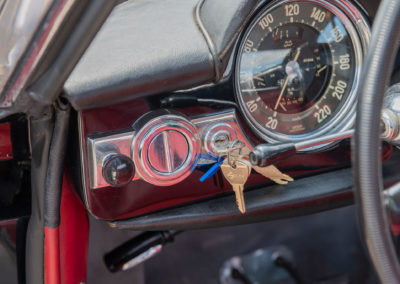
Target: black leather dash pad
(304,196)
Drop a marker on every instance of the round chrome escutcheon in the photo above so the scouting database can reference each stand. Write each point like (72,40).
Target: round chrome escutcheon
(165,149)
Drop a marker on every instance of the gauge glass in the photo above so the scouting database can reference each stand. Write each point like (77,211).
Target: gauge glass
(297,66)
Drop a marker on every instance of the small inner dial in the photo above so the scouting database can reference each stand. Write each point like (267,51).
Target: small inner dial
(296,67)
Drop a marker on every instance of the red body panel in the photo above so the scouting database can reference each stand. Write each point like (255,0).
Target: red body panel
(65,247)
(74,236)
(51,255)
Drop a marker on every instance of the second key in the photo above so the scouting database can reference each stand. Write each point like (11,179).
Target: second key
(237,177)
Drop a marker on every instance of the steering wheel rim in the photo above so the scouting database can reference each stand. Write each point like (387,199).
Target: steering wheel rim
(367,144)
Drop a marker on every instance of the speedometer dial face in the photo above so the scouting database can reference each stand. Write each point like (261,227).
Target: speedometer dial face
(296,70)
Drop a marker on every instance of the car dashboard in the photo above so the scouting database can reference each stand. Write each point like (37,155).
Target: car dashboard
(167,88)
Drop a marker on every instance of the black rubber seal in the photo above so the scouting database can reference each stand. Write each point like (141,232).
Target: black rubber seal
(56,166)
(38,101)
(41,131)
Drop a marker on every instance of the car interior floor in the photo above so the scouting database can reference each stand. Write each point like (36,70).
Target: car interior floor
(326,247)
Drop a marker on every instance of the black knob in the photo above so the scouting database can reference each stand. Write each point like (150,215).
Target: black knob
(118,170)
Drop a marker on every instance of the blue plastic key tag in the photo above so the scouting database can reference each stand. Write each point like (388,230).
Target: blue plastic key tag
(212,170)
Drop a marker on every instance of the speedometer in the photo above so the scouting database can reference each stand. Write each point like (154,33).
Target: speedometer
(298,67)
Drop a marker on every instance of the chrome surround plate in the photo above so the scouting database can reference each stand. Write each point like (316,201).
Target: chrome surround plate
(125,142)
(95,148)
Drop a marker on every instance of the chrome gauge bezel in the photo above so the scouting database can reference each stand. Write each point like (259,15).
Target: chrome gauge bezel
(359,31)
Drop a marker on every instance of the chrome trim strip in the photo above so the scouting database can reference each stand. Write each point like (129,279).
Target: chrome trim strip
(83,164)
(60,12)
(210,43)
(19,21)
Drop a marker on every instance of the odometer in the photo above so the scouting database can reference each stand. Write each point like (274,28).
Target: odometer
(298,67)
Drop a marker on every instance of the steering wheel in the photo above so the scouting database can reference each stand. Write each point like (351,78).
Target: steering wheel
(367,144)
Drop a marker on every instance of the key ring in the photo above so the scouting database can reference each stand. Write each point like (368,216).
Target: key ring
(231,160)
(234,145)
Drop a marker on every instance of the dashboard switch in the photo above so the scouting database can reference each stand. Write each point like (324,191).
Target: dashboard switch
(118,170)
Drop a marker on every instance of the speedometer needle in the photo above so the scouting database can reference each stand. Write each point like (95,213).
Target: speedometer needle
(261,89)
(296,57)
(269,70)
(282,91)
(321,69)
(297,54)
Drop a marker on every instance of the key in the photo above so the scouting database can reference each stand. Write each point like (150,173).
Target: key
(237,177)
(273,173)
(270,172)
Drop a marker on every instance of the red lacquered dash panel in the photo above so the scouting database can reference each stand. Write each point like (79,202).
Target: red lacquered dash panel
(5,142)
(140,197)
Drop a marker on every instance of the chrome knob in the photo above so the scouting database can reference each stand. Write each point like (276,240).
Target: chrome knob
(390,125)
(168,151)
(390,119)
(118,169)
(165,148)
